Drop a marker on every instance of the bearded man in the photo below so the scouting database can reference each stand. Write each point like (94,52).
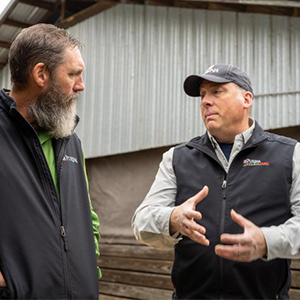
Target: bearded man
(48,229)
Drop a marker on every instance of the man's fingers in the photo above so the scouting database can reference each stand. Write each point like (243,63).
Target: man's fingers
(192,225)
(192,214)
(196,236)
(240,220)
(195,232)
(183,216)
(200,196)
(235,238)
(233,252)
(202,240)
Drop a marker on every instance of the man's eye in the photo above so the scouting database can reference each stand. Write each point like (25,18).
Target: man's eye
(75,74)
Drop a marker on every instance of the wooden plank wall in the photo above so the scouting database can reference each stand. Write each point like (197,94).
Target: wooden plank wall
(295,286)
(134,271)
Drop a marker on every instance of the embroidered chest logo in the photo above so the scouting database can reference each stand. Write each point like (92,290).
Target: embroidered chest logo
(254,163)
(70,159)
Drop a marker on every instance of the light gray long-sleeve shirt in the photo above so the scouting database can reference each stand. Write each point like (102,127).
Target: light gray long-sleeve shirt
(151,219)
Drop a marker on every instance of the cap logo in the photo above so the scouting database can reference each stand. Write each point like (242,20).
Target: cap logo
(211,70)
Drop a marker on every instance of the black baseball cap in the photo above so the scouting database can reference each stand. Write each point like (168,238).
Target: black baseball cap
(220,73)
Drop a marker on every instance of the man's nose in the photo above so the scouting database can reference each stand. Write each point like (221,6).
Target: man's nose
(207,100)
(79,85)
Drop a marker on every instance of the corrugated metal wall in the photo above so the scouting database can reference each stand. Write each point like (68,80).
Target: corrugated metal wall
(137,58)
(5,78)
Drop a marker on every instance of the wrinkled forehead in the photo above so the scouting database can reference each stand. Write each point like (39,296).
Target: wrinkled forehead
(73,58)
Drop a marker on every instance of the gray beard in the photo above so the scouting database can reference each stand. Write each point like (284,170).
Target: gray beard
(55,112)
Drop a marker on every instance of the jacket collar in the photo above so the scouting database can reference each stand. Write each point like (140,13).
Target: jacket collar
(6,102)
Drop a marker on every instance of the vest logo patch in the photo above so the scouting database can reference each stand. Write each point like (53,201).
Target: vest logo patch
(68,158)
(254,163)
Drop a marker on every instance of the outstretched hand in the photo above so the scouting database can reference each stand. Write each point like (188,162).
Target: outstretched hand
(245,247)
(2,281)
(182,219)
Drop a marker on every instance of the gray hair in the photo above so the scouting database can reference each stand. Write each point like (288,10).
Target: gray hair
(44,43)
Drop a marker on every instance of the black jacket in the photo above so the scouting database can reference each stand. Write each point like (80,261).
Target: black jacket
(47,248)
(258,187)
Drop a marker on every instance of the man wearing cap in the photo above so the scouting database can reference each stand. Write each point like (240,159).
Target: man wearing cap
(229,201)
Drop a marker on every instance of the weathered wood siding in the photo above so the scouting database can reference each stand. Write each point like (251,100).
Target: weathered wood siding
(134,271)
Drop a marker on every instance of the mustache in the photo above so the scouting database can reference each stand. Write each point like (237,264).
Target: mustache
(57,97)
(72,97)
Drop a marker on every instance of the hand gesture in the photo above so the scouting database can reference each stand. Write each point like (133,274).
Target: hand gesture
(245,247)
(2,281)
(182,219)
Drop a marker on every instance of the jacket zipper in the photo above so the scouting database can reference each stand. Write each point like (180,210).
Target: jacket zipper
(50,192)
(222,227)
(63,234)
(66,278)
(41,162)
(63,231)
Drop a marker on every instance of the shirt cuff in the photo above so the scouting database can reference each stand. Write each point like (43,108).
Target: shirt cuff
(273,242)
(164,223)
(163,220)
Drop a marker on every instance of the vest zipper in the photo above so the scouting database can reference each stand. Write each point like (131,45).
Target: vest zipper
(222,226)
(211,153)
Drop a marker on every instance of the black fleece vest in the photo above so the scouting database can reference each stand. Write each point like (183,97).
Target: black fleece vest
(47,247)
(258,187)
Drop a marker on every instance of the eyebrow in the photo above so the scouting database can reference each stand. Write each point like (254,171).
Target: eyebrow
(76,70)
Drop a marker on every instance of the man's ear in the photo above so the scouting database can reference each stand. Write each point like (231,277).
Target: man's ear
(248,99)
(40,75)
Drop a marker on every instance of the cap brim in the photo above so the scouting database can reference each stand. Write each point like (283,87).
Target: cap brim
(192,83)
